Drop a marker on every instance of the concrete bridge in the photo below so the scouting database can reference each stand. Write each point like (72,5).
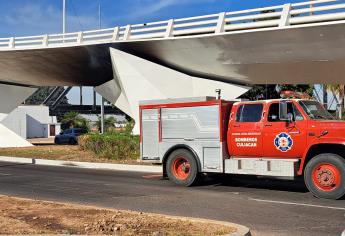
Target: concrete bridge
(290,43)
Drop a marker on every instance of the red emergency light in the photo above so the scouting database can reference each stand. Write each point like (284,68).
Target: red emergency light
(288,94)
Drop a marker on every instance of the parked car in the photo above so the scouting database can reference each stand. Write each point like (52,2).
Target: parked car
(69,136)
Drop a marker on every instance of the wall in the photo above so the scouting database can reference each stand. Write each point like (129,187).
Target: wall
(35,129)
(30,121)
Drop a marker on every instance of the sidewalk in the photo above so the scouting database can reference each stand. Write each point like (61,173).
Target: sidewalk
(42,141)
(84,165)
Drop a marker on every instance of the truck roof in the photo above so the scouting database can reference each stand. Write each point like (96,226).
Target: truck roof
(177,100)
(204,99)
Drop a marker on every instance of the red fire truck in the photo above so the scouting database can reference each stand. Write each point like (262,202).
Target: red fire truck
(287,138)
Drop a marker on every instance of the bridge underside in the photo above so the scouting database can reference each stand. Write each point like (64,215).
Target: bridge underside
(313,54)
(127,72)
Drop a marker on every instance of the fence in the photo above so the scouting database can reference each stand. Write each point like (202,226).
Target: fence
(268,17)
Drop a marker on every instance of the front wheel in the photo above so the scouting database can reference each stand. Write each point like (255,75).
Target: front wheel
(324,176)
(182,168)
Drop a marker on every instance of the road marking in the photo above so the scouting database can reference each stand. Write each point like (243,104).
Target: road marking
(297,204)
(4,174)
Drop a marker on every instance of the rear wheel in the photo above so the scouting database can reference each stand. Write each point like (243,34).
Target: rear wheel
(182,167)
(324,176)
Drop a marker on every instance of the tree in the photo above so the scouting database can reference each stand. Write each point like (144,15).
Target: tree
(260,92)
(339,90)
(74,120)
(272,91)
(109,123)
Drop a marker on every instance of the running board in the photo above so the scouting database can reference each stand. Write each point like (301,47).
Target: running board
(262,166)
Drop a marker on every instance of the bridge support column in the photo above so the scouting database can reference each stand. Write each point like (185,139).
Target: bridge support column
(137,79)
(10,97)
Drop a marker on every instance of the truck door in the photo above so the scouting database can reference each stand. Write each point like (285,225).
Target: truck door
(245,130)
(282,138)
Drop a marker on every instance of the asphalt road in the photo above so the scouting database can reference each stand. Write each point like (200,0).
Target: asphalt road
(268,207)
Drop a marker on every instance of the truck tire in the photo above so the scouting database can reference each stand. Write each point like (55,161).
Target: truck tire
(324,176)
(182,168)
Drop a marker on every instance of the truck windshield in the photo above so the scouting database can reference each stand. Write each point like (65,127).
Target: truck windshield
(315,110)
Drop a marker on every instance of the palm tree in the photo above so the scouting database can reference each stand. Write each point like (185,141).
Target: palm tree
(74,120)
(339,90)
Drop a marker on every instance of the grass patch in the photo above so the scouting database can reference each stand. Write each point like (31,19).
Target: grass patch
(114,145)
(49,152)
(63,153)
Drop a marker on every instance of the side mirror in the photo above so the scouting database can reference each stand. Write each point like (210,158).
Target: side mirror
(283,112)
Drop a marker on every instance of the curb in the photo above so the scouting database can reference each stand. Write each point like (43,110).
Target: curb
(241,229)
(84,165)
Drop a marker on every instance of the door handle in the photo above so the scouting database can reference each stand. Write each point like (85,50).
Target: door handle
(237,126)
(268,125)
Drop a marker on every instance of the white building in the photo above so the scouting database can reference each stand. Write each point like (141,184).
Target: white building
(32,122)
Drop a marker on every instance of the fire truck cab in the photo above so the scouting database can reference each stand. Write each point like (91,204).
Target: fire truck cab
(284,138)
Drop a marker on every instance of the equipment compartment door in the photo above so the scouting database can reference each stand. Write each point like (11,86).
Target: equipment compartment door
(150,134)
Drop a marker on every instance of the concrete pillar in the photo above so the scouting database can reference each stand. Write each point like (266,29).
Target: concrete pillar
(137,79)
(10,97)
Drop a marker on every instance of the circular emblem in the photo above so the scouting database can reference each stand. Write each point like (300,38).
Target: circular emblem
(283,142)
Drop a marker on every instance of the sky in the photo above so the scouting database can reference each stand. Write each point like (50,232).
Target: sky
(35,17)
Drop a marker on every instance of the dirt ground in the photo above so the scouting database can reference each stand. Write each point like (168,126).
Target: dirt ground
(24,216)
(61,152)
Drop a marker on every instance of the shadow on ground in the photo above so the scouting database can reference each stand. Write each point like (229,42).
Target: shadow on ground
(254,182)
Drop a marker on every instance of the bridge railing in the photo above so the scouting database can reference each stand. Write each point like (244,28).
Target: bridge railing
(268,17)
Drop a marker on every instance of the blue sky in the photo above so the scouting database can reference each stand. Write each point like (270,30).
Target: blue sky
(33,17)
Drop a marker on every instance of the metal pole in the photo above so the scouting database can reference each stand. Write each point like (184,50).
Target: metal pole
(63,16)
(99,16)
(94,99)
(102,105)
(81,95)
(102,116)
(311,8)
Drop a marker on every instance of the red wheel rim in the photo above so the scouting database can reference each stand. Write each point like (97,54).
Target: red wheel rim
(326,177)
(181,168)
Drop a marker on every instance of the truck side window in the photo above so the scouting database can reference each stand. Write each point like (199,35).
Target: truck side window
(249,113)
(273,113)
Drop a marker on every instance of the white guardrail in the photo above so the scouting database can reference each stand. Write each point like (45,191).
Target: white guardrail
(268,17)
